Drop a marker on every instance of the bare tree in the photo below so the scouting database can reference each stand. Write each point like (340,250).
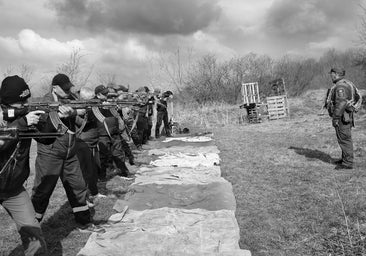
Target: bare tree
(8,71)
(170,69)
(74,68)
(362,27)
(107,78)
(24,71)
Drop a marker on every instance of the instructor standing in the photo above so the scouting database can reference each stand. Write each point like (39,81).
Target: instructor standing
(340,107)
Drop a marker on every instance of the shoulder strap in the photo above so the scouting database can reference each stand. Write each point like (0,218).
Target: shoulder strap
(11,158)
(82,126)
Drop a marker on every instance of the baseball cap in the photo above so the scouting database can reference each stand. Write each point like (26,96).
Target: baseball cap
(63,81)
(338,70)
(122,88)
(101,89)
(167,93)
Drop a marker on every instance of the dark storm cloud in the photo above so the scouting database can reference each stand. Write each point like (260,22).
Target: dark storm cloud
(142,16)
(309,19)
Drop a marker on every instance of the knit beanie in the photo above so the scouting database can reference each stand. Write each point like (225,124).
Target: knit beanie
(13,89)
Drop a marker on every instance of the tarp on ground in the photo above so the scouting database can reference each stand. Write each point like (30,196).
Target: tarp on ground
(167,231)
(177,175)
(175,143)
(187,160)
(187,150)
(213,196)
(190,139)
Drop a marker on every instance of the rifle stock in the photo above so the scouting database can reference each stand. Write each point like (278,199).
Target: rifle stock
(14,133)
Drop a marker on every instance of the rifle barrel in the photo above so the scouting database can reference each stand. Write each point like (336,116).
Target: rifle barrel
(12,133)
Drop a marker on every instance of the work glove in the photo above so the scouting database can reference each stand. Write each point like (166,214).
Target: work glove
(335,122)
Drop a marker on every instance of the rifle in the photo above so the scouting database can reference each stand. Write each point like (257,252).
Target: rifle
(14,133)
(325,104)
(52,108)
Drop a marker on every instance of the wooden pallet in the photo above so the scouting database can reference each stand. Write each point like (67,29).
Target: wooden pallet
(250,93)
(277,107)
(252,113)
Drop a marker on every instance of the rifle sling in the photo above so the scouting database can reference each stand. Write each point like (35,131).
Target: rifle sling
(12,157)
(82,126)
(101,118)
(107,129)
(122,122)
(135,122)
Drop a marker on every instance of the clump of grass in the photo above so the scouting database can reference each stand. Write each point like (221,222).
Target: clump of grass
(208,115)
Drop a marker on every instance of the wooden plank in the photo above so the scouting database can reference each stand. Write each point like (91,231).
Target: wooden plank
(276,107)
(276,102)
(275,97)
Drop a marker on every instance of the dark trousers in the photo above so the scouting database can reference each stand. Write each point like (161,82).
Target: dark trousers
(111,151)
(127,150)
(162,117)
(344,137)
(142,128)
(105,156)
(88,164)
(48,169)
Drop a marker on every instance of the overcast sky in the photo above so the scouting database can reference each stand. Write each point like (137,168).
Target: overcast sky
(120,36)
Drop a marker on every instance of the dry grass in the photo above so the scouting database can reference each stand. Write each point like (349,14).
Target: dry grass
(290,200)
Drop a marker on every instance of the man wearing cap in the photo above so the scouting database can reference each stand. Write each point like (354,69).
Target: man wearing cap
(87,147)
(162,115)
(59,160)
(340,95)
(110,140)
(142,123)
(13,197)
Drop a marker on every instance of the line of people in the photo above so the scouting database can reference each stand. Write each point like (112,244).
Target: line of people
(92,145)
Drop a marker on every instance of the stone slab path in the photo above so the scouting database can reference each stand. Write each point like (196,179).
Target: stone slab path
(178,205)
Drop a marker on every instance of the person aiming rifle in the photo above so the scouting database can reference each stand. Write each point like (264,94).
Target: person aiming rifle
(87,138)
(110,140)
(15,142)
(59,160)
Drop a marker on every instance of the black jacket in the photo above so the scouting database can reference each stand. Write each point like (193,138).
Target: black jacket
(63,146)
(13,178)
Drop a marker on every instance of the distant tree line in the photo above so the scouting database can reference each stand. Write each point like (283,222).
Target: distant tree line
(209,80)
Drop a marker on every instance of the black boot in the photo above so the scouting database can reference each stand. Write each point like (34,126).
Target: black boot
(123,168)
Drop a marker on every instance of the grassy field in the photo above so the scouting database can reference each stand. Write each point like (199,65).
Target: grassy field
(290,200)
